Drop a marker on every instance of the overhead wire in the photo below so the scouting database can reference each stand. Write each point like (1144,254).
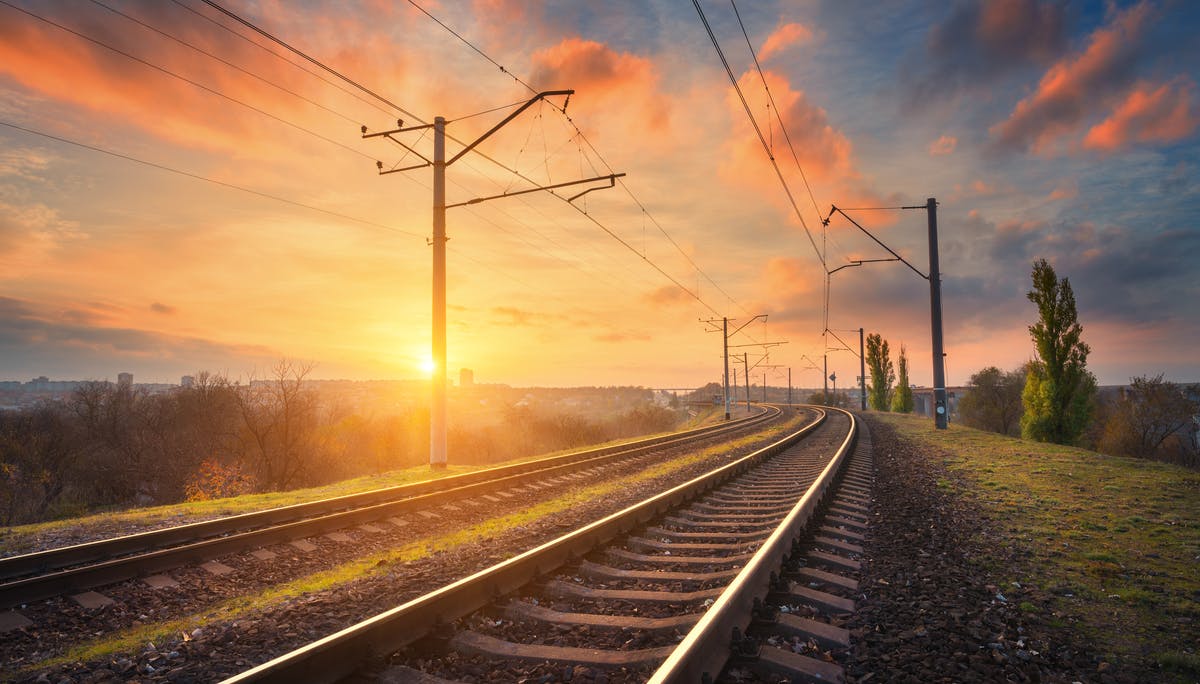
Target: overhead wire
(226,62)
(214,181)
(182,78)
(775,107)
(369,102)
(213,91)
(573,264)
(584,138)
(758,130)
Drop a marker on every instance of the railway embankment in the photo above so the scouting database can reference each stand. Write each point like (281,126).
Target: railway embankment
(998,559)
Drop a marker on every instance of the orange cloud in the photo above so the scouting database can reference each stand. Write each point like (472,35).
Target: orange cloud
(668,295)
(943,146)
(783,37)
(169,93)
(1164,114)
(790,277)
(824,152)
(599,74)
(1071,87)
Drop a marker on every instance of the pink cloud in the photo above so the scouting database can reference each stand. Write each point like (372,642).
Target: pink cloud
(1163,114)
(783,37)
(943,146)
(823,151)
(604,76)
(1072,86)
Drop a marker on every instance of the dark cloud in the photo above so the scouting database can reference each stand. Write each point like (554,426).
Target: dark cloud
(979,42)
(1071,89)
(61,346)
(159,307)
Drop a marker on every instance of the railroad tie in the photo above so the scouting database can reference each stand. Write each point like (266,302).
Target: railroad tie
(474,643)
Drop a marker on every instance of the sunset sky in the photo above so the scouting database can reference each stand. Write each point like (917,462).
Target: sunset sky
(1056,130)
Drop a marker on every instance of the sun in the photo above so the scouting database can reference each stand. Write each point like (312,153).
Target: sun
(427,366)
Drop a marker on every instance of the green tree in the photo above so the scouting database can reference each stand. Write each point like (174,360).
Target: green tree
(994,401)
(879,365)
(902,398)
(1059,389)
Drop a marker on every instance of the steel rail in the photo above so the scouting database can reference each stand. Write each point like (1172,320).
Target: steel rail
(705,649)
(340,654)
(251,530)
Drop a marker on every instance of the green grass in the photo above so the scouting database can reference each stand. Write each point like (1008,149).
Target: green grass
(1123,533)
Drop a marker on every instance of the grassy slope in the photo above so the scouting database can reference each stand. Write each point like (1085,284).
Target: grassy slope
(1117,540)
(28,538)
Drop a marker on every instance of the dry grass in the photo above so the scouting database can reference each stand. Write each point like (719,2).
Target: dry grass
(34,537)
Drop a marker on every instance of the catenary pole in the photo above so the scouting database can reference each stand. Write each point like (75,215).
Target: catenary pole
(862,371)
(437,410)
(940,410)
(746,365)
(438,380)
(725,338)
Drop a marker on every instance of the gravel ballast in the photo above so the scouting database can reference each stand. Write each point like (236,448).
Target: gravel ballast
(938,602)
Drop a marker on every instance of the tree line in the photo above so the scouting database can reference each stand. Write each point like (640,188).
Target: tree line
(114,445)
(1054,397)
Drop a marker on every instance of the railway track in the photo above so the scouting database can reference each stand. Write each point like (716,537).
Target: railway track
(674,588)
(26,579)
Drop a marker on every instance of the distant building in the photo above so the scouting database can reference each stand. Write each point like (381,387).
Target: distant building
(125,379)
(187,381)
(466,378)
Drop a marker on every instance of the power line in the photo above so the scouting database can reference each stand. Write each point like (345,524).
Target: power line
(227,63)
(372,93)
(309,59)
(754,122)
(282,58)
(775,108)
(579,133)
(180,77)
(196,176)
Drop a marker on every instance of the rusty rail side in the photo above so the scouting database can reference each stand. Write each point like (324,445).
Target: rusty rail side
(705,649)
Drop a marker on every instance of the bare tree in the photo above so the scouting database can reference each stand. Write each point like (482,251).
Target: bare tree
(1147,416)
(279,417)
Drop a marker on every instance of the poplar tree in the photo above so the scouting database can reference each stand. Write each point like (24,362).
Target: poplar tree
(902,398)
(1059,389)
(879,364)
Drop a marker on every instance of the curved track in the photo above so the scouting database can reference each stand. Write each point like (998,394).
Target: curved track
(657,591)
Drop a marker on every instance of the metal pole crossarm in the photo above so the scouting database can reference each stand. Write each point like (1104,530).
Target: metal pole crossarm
(739,328)
(610,177)
(844,345)
(388,134)
(760,344)
(877,241)
(379,165)
(859,262)
(510,117)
